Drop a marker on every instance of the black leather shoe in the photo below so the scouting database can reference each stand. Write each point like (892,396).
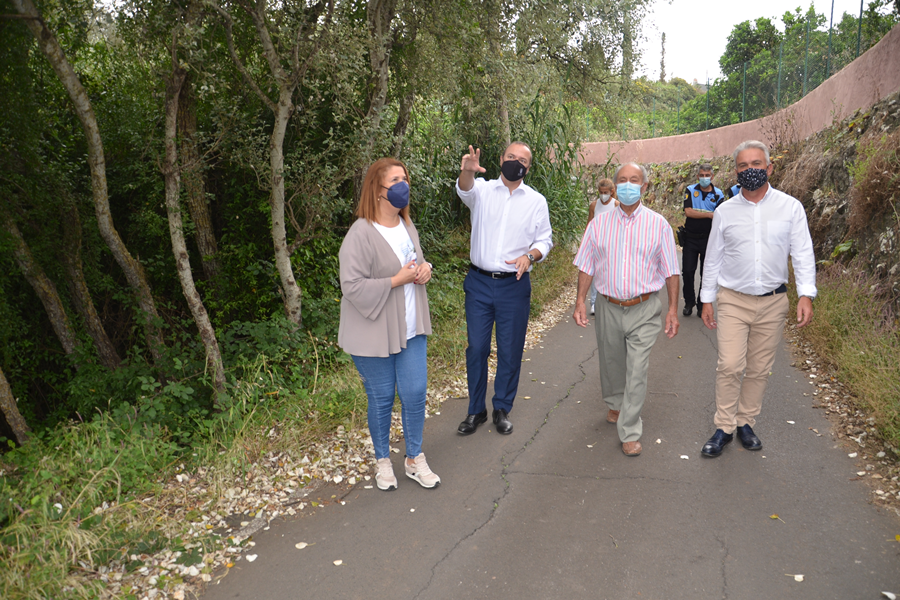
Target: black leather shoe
(700,310)
(687,311)
(716,443)
(748,439)
(502,421)
(471,423)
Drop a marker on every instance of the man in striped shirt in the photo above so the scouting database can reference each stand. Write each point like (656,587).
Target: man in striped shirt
(628,254)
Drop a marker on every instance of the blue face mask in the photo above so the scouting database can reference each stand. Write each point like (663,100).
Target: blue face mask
(628,193)
(398,194)
(705,181)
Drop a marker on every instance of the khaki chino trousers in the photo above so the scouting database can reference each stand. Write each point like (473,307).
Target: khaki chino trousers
(749,333)
(625,336)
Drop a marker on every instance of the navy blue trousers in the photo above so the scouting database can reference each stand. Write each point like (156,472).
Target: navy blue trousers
(506,303)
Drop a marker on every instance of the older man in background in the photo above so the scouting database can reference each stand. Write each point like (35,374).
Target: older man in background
(700,201)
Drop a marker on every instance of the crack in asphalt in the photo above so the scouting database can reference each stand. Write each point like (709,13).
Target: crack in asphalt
(598,477)
(724,568)
(505,471)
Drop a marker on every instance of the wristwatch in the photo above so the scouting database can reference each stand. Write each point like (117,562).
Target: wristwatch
(530,257)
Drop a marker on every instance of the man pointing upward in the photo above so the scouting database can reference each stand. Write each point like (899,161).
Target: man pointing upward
(510,232)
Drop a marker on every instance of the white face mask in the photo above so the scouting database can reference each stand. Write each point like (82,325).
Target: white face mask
(628,193)
(604,198)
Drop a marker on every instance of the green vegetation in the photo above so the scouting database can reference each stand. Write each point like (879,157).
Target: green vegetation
(170,173)
(856,330)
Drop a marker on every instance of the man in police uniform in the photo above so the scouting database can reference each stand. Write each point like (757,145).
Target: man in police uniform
(700,200)
(732,191)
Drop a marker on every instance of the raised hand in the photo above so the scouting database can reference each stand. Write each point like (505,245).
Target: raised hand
(470,161)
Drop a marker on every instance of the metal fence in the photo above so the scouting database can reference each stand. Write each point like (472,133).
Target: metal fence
(807,55)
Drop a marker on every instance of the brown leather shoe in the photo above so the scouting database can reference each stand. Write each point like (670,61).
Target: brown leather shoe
(612,416)
(631,448)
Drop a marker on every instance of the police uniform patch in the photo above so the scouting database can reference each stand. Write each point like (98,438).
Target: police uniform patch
(696,193)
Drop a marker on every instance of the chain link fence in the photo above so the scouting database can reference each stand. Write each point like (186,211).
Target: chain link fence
(810,51)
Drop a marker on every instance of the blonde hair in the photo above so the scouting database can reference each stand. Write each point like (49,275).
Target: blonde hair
(368,198)
(607,183)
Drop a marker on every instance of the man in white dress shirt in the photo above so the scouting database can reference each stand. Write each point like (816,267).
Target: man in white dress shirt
(510,232)
(747,269)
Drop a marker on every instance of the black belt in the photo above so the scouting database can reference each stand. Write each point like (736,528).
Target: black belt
(492,274)
(779,290)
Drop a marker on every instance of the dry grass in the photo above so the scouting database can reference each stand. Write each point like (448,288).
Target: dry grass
(876,181)
(800,177)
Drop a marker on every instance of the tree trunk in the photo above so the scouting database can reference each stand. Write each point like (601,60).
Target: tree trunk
(282,110)
(403,115)
(11,411)
(78,288)
(194,182)
(42,285)
(627,49)
(290,291)
(380,14)
(134,271)
(504,119)
(172,178)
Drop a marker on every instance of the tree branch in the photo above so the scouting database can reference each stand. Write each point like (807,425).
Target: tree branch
(229,36)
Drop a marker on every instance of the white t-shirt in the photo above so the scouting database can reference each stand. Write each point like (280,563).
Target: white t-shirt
(403,247)
(600,208)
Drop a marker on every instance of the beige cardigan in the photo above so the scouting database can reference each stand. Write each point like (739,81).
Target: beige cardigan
(373,316)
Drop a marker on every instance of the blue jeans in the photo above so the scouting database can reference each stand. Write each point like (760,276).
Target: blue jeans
(506,304)
(405,373)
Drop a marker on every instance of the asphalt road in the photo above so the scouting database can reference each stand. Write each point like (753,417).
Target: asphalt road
(555,510)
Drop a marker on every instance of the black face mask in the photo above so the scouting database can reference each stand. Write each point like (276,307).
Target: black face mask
(753,179)
(513,170)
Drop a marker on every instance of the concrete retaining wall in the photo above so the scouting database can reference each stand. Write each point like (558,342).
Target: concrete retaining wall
(859,85)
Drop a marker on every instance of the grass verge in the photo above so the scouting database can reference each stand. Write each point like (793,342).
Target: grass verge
(87,495)
(856,331)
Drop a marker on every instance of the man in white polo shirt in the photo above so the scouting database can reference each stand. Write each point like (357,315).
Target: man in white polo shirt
(746,271)
(510,232)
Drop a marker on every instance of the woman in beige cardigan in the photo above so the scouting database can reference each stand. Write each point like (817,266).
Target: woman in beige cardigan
(384,316)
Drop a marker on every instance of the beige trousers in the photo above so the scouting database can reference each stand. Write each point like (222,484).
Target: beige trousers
(625,336)
(749,333)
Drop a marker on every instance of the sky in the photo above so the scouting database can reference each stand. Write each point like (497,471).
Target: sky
(697,31)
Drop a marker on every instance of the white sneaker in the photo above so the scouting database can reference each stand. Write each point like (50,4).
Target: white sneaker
(419,471)
(384,478)
(592,308)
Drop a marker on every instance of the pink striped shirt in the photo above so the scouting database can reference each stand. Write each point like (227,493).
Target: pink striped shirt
(628,256)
